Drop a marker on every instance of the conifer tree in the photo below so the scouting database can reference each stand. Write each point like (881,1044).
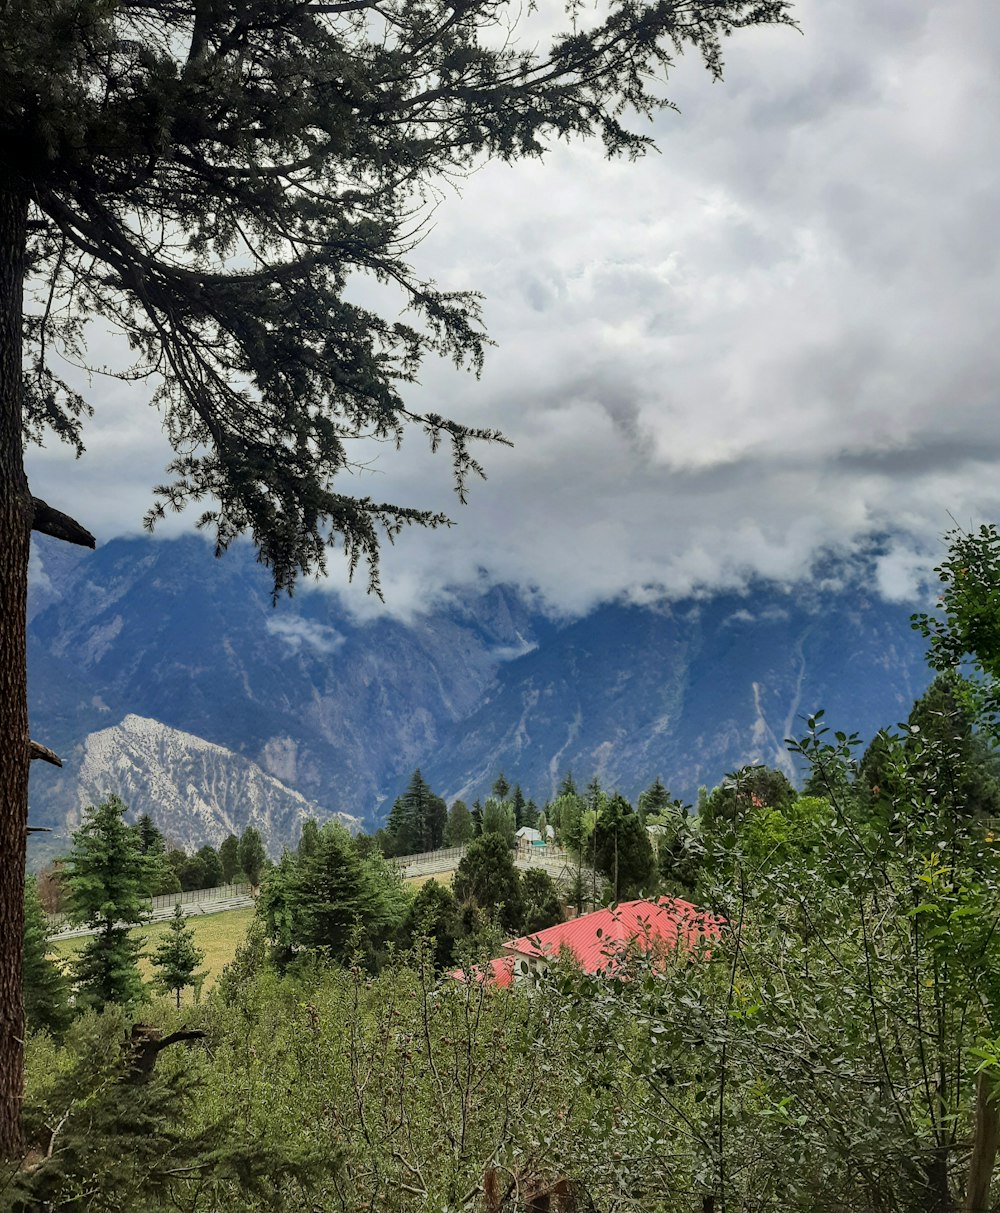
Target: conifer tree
(46,990)
(309,839)
(418,819)
(501,788)
(176,956)
(622,850)
(487,877)
(107,875)
(567,786)
(654,799)
(325,899)
(520,806)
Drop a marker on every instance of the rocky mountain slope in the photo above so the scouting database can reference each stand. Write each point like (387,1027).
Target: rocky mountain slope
(339,712)
(196,791)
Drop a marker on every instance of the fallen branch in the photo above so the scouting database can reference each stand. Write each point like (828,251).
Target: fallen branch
(49,521)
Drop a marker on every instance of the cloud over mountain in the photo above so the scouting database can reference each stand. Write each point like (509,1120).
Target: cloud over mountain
(775,338)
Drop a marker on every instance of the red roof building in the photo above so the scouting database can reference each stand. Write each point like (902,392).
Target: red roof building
(598,941)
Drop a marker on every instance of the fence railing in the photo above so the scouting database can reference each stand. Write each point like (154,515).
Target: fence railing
(167,901)
(446,854)
(222,892)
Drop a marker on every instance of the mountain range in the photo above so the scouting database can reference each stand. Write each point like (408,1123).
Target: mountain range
(168,676)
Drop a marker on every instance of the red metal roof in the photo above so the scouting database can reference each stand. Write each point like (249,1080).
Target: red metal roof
(597,940)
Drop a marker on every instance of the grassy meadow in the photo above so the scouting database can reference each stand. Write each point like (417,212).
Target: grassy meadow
(216,934)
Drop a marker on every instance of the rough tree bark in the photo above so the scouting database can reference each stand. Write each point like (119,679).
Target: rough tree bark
(16,511)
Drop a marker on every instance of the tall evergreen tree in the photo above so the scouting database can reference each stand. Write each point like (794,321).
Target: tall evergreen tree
(622,850)
(330,898)
(418,819)
(150,839)
(501,788)
(309,839)
(487,877)
(211,179)
(176,956)
(520,806)
(567,786)
(654,799)
(46,990)
(107,876)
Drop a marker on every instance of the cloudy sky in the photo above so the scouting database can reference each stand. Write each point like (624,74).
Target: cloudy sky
(778,336)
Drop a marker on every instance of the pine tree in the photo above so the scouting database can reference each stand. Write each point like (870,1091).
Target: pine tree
(486,876)
(309,839)
(418,819)
(519,805)
(107,876)
(150,838)
(501,787)
(568,785)
(176,956)
(654,799)
(330,898)
(46,990)
(622,850)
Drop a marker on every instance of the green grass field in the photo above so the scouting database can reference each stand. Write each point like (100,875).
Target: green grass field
(216,934)
(445,878)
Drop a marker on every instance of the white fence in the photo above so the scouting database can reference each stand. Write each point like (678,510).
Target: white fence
(222,892)
(550,858)
(195,901)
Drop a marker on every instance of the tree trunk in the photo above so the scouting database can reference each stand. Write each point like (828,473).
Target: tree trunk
(15,537)
(986,1142)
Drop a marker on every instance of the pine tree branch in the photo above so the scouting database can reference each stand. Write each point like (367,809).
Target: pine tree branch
(37,750)
(49,521)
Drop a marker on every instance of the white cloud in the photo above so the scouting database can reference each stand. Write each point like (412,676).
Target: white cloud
(297,633)
(773,339)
